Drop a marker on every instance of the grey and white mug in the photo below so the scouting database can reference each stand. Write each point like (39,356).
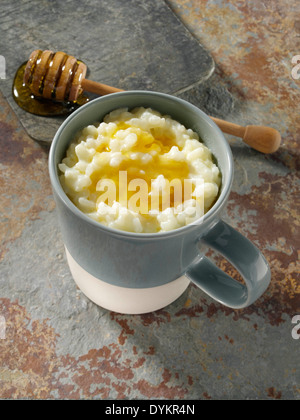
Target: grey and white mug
(136,273)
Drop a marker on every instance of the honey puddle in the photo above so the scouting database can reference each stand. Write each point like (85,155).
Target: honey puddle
(137,170)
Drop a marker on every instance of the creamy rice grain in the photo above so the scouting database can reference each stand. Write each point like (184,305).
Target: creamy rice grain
(140,171)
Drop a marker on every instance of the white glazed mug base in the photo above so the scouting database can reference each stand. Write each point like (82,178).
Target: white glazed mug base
(125,300)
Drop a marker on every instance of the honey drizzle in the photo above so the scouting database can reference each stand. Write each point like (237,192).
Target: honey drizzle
(146,143)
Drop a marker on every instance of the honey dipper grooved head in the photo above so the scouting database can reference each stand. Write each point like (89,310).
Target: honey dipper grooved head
(55,76)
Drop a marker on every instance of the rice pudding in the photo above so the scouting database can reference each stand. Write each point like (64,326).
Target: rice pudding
(140,171)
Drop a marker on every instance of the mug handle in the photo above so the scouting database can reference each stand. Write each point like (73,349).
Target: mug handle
(244,256)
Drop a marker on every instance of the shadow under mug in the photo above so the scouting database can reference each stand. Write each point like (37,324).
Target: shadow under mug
(136,273)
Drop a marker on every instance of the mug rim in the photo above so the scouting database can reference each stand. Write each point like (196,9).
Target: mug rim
(206,218)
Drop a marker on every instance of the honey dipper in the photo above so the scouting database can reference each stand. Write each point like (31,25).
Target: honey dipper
(61,77)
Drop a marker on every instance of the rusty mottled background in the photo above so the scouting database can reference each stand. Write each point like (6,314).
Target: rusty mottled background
(54,343)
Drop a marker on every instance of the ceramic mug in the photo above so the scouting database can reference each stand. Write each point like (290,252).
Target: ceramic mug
(136,273)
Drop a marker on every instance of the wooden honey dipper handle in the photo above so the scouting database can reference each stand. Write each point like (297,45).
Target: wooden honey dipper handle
(261,138)
(61,77)
(98,88)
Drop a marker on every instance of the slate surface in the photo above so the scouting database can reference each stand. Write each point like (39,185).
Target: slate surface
(139,45)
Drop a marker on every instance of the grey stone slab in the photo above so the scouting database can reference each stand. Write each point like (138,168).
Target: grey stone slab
(212,97)
(133,44)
